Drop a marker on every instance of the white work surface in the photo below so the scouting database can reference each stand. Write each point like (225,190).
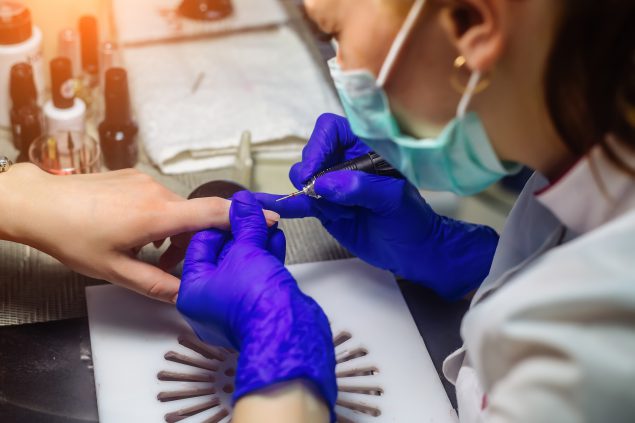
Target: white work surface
(144,21)
(131,334)
(194,99)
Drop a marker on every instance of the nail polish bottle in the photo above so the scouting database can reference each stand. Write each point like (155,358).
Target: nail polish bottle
(118,131)
(64,112)
(27,122)
(68,46)
(20,41)
(89,46)
(109,57)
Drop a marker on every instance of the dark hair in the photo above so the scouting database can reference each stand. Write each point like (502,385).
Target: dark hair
(590,76)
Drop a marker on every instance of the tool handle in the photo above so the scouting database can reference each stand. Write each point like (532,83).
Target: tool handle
(371,163)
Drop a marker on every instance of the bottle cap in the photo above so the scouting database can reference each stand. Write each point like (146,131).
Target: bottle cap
(89,44)
(62,83)
(22,86)
(117,97)
(205,10)
(15,22)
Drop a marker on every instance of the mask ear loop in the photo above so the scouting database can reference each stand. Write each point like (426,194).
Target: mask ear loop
(400,40)
(471,88)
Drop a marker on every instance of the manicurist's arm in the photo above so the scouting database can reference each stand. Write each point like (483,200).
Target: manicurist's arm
(95,224)
(236,292)
(385,221)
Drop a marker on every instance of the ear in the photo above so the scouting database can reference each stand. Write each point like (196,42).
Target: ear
(475,27)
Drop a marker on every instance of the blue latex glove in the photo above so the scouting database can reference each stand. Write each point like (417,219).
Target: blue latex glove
(385,221)
(236,292)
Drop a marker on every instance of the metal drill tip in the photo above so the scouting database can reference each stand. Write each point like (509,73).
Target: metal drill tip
(295,194)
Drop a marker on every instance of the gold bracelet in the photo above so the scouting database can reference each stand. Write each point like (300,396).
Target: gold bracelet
(5,164)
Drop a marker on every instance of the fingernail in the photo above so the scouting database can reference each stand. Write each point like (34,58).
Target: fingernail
(271,215)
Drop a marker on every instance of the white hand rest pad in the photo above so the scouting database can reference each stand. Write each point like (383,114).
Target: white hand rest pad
(385,373)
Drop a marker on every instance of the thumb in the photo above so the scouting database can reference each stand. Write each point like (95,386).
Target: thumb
(353,188)
(277,245)
(204,248)
(247,221)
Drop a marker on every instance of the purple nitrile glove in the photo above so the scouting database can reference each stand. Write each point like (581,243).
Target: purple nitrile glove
(384,220)
(236,293)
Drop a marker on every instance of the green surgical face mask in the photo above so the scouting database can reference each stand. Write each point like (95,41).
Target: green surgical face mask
(461,159)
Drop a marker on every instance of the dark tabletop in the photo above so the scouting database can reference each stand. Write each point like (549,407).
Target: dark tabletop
(46,370)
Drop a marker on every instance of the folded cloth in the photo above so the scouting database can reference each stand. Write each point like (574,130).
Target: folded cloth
(146,21)
(194,99)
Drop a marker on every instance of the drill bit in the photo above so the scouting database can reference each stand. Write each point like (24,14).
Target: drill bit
(370,163)
(295,194)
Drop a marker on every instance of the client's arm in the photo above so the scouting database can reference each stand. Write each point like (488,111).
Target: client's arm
(96,223)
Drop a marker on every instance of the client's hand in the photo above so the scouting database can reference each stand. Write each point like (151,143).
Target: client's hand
(97,223)
(237,293)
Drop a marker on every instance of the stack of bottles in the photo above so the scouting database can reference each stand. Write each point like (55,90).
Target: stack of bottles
(87,85)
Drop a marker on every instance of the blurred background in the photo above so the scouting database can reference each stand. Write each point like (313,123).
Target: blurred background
(269,170)
(232,96)
(187,92)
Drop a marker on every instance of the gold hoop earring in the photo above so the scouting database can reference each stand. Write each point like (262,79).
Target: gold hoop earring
(459,63)
(628,108)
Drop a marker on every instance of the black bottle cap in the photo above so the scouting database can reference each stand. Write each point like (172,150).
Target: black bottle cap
(62,84)
(205,10)
(117,96)
(15,22)
(220,188)
(89,37)
(22,86)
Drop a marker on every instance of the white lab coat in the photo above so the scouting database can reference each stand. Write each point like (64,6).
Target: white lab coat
(550,336)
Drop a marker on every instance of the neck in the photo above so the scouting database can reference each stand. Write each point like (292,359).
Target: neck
(522,131)
(534,146)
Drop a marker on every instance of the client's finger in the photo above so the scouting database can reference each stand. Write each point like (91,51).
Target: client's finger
(202,213)
(146,279)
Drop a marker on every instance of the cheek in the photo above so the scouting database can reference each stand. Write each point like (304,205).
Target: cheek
(419,88)
(356,53)
(322,12)
(366,34)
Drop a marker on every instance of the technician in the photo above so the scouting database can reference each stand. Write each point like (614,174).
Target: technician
(456,94)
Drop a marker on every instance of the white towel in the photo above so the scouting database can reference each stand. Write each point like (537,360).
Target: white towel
(143,21)
(194,99)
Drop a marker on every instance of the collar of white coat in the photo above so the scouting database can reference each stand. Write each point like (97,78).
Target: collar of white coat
(593,192)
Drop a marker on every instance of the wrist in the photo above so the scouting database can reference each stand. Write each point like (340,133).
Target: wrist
(291,343)
(16,186)
(459,264)
(287,402)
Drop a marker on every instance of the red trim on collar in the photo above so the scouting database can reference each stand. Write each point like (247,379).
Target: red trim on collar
(559,178)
